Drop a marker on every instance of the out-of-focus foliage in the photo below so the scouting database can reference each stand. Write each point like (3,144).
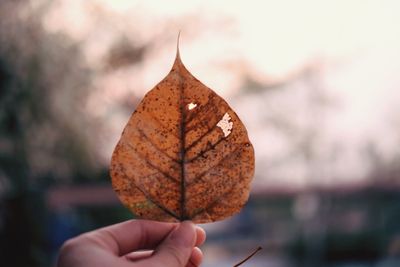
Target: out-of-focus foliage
(44,137)
(44,134)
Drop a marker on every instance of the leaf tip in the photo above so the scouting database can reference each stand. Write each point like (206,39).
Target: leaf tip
(177,43)
(178,56)
(178,62)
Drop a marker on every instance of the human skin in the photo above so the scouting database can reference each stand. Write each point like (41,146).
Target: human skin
(136,243)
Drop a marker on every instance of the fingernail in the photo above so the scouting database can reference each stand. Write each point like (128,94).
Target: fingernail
(184,234)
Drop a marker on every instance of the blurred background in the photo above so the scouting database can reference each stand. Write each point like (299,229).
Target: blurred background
(315,82)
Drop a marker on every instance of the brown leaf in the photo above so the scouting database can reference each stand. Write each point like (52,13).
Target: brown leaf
(184,154)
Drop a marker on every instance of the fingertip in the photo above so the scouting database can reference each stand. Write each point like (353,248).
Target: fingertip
(177,248)
(184,234)
(200,236)
(196,258)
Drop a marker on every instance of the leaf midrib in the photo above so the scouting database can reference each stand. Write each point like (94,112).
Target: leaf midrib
(182,150)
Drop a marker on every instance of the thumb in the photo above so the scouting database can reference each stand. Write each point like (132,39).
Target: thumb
(176,249)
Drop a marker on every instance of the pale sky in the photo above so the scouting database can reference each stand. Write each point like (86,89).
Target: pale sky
(357,44)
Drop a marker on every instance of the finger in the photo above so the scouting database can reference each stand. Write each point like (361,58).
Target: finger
(200,235)
(138,255)
(125,237)
(196,258)
(176,249)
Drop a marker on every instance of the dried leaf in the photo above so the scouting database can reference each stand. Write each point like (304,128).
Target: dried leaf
(184,154)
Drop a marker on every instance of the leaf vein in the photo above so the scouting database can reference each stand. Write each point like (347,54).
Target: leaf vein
(149,163)
(232,154)
(214,202)
(211,146)
(155,202)
(143,134)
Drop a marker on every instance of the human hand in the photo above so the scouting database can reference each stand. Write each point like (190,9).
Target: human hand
(136,243)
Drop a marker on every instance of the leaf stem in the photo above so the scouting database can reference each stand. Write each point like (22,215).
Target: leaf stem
(248,257)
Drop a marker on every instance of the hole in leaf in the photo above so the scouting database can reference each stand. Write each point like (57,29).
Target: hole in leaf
(225,124)
(192,106)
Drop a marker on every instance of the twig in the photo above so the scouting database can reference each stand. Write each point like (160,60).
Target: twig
(248,257)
